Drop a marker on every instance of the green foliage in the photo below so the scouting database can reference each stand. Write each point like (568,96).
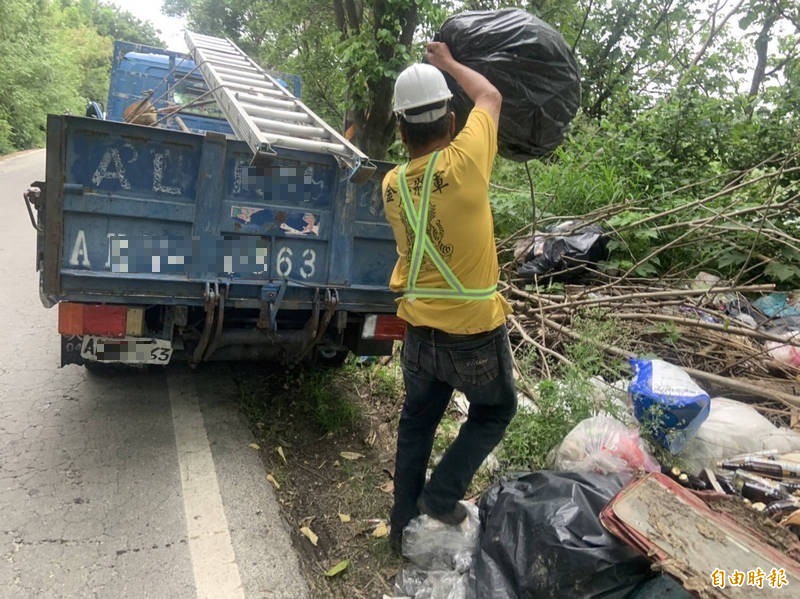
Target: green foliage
(38,72)
(684,149)
(510,211)
(562,402)
(56,71)
(383,382)
(333,410)
(348,53)
(656,135)
(595,327)
(532,434)
(109,21)
(446,432)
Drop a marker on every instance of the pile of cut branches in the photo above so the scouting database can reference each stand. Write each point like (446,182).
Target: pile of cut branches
(699,322)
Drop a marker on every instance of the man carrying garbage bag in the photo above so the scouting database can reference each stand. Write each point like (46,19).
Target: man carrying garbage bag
(447,271)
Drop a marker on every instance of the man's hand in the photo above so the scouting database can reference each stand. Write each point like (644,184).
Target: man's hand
(482,93)
(438,54)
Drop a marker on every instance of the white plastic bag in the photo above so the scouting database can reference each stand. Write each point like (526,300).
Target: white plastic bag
(433,545)
(441,556)
(417,583)
(734,428)
(603,444)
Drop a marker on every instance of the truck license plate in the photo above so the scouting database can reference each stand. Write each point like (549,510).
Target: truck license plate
(127,350)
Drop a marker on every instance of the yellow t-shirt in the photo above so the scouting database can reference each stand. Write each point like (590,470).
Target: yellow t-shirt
(461,227)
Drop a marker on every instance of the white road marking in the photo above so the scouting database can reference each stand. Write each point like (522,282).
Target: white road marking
(216,574)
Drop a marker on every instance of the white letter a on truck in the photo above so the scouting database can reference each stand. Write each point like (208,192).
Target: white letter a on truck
(80,253)
(103,172)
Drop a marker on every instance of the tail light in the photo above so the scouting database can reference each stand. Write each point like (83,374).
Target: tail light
(383,327)
(100,319)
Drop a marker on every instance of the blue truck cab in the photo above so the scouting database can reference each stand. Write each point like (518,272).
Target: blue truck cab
(163,241)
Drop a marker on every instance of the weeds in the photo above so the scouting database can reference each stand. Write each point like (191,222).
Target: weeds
(533,433)
(445,433)
(562,402)
(598,326)
(312,393)
(333,410)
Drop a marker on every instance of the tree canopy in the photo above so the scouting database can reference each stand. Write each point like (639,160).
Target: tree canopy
(54,56)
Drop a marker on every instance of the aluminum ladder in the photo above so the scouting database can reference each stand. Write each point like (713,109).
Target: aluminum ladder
(264,113)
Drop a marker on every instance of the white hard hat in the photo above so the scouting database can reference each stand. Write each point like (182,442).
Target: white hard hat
(421,85)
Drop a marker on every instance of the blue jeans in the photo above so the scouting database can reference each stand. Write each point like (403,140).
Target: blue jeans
(435,363)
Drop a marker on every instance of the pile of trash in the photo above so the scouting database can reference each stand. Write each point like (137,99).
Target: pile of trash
(741,341)
(721,507)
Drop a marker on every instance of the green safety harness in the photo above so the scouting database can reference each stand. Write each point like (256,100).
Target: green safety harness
(418,220)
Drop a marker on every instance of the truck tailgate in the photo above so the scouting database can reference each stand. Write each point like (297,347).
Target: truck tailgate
(136,214)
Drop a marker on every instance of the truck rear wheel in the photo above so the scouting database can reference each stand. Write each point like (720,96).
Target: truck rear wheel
(329,358)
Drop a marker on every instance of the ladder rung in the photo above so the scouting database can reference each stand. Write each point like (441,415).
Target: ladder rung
(260,101)
(256,80)
(228,65)
(224,53)
(237,70)
(226,62)
(289,115)
(203,36)
(214,47)
(297,143)
(268,125)
(254,88)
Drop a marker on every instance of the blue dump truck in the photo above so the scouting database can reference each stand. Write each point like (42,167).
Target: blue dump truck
(165,233)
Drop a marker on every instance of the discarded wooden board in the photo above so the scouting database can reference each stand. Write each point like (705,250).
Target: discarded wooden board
(710,546)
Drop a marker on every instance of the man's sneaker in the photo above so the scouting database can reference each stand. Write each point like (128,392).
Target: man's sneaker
(453,517)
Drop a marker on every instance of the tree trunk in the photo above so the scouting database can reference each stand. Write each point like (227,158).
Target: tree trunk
(375,126)
(761,46)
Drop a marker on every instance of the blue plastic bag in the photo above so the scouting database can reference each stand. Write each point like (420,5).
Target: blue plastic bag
(667,402)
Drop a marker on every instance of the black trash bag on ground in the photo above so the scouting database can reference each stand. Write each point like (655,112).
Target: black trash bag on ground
(541,537)
(531,65)
(568,244)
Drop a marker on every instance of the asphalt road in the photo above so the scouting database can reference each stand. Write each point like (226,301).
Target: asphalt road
(140,484)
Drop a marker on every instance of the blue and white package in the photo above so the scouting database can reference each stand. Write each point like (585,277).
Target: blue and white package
(667,402)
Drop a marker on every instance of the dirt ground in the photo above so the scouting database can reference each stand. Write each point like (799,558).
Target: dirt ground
(335,487)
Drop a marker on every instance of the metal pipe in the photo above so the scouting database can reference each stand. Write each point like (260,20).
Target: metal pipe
(220,319)
(211,303)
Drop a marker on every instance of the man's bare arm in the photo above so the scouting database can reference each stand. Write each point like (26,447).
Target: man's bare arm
(482,93)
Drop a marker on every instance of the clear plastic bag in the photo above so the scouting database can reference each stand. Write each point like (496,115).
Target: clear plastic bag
(436,584)
(784,352)
(433,545)
(441,555)
(603,444)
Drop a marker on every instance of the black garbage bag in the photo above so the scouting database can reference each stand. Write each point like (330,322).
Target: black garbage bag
(530,64)
(567,245)
(541,537)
